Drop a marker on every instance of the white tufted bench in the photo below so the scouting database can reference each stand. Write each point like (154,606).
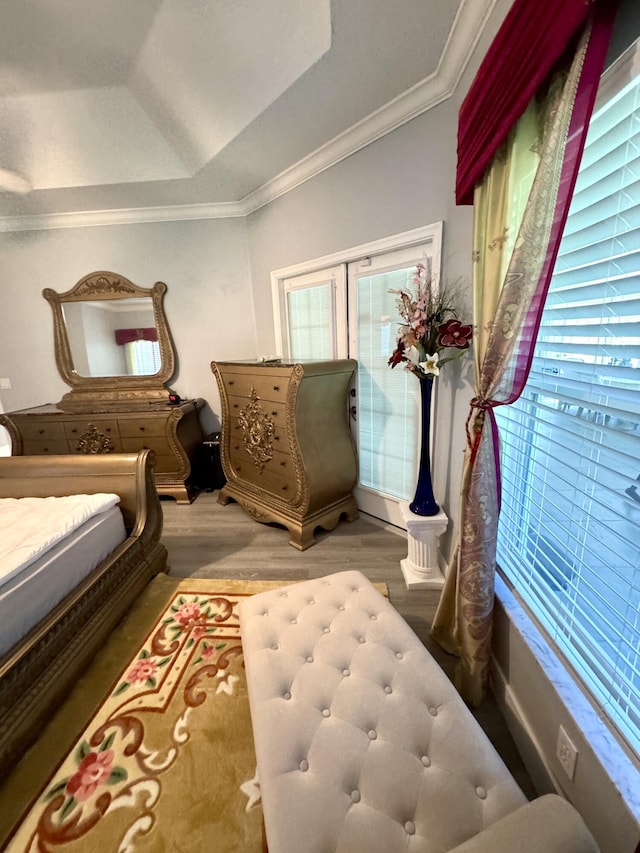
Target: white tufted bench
(363,744)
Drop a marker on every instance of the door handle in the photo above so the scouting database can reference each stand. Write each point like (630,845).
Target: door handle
(353,412)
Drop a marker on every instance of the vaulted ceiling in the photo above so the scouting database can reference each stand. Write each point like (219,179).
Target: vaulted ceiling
(122,110)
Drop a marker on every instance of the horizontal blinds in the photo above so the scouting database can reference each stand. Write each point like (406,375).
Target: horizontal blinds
(310,321)
(388,400)
(569,533)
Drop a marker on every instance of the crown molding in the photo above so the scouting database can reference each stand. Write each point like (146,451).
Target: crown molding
(467,27)
(125,216)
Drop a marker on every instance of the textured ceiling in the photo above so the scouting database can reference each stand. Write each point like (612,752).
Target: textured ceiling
(153,104)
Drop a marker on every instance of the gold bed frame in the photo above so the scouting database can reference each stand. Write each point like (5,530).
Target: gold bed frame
(37,673)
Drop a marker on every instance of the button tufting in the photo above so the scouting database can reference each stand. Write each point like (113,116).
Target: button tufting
(373,617)
(361,640)
(275,647)
(341,607)
(265,613)
(294,621)
(311,601)
(309,659)
(388,689)
(355,796)
(433,710)
(325,630)
(426,760)
(326,712)
(399,655)
(410,827)
(286,695)
(346,672)
(304,766)
(481,792)
(372,734)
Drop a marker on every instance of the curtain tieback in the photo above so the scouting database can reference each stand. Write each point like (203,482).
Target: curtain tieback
(482,405)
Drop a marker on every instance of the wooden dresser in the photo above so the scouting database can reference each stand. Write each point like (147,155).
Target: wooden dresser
(286,446)
(172,432)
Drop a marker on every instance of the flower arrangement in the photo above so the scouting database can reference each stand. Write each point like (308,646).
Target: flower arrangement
(430,326)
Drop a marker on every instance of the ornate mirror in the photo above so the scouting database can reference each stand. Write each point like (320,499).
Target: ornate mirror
(112,343)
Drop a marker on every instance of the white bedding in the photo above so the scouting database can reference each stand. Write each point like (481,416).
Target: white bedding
(29,527)
(30,594)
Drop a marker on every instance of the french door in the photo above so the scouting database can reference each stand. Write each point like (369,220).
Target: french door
(349,309)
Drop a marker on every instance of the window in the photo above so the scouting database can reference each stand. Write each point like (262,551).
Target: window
(569,530)
(142,357)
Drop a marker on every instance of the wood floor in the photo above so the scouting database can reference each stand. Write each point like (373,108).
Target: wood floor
(207,540)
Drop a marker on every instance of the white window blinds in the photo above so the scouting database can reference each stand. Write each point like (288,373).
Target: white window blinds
(569,533)
(388,400)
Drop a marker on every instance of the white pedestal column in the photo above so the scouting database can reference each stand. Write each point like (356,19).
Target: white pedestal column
(420,568)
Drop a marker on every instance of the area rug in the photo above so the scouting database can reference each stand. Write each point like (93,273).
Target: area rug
(166,762)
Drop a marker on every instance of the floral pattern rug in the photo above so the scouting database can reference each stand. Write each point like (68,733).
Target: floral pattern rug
(167,763)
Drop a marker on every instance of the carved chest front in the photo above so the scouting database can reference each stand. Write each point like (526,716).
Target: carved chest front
(286,447)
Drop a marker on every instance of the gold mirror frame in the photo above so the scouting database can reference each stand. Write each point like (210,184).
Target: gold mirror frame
(93,393)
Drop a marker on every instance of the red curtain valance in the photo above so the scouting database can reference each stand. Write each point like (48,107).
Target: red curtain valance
(531,40)
(126,336)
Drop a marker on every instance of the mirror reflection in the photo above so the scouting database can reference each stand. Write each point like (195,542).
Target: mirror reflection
(113,337)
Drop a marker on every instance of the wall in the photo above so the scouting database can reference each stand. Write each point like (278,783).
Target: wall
(537,695)
(208,303)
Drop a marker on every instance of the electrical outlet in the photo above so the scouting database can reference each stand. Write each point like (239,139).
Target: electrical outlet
(566,753)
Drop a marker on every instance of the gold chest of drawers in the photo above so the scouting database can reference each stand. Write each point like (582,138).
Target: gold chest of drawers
(172,432)
(286,446)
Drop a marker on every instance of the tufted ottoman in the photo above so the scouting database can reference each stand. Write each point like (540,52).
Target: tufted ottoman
(363,744)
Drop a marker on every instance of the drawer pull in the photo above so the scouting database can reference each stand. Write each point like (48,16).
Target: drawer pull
(276,438)
(141,429)
(283,463)
(276,387)
(284,488)
(40,432)
(274,414)
(235,405)
(231,382)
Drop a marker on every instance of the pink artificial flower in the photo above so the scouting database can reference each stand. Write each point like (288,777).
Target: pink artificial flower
(142,670)
(95,768)
(454,334)
(187,613)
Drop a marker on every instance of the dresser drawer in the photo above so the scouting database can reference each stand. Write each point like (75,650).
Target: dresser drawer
(269,387)
(41,446)
(236,438)
(275,478)
(142,427)
(40,429)
(74,430)
(274,410)
(157,443)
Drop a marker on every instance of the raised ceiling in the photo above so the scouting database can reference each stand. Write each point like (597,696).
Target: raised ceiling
(133,111)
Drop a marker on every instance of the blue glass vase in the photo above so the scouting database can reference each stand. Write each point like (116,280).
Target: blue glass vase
(423,502)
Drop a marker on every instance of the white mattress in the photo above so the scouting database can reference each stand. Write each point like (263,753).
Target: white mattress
(31,593)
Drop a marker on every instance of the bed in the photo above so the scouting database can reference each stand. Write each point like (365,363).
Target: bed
(54,614)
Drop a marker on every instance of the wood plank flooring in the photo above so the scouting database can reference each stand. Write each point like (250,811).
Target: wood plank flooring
(207,540)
